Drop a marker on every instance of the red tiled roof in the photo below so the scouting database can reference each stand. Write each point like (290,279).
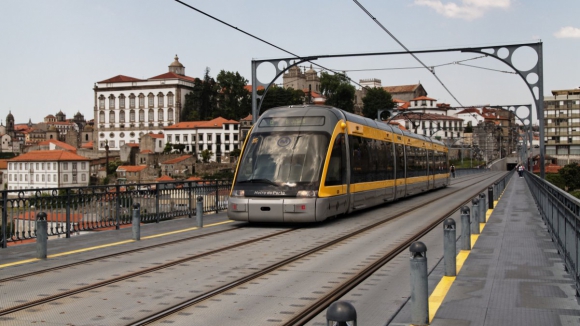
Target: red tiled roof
(469,110)
(120,79)
(172,75)
(58,143)
(132,145)
(193,179)
(165,178)
(421,98)
(430,116)
(88,145)
(132,168)
(147,151)
(43,156)
(401,88)
(3,164)
(157,136)
(177,159)
(248,118)
(215,123)
(249,88)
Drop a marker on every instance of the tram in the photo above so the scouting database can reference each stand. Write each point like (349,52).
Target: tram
(311,163)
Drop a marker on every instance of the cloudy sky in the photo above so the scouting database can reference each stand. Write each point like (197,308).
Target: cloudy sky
(54,51)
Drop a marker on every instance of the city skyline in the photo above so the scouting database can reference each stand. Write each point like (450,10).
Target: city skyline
(58,50)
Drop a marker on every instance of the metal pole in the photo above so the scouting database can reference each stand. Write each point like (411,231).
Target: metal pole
(136,223)
(419,290)
(482,208)
(465,229)
(490,197)
(199,212)
(475,216)
(41,235)
(67,217)
(4,234)
(449,247)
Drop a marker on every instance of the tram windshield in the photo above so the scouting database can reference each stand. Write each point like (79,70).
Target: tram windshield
(289,159)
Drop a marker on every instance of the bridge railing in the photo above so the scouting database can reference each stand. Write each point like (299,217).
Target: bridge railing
(81,209)
(561,212)
(460,172)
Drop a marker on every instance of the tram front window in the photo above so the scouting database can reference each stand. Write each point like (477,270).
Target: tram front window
(284,159)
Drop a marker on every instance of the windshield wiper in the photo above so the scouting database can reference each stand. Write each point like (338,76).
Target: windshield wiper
(259,181)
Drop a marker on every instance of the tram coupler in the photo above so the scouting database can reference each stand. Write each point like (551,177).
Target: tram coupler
(465,229)
(419,290)
(136,222)
(475,216)
(199,212)
(41,235)
(341,313)
(449,247)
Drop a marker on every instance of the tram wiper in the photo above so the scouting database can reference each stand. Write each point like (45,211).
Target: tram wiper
(259,181)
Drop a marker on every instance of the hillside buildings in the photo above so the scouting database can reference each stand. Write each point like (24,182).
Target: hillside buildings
(562,125)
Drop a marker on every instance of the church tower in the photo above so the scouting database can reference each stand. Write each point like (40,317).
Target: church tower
(177,67)
(10,124)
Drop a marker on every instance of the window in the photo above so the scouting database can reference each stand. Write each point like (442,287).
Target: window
(132,101)
(160,100)
(192,138)
(37,178)
(112,117)
(122,116)
(235,137)
(170,114)
(65,166)
(121,143)
(185,139)
(227,127)
(65,178)
(101,102)
(101,117)
(170,99)
(74,178)
(121,101)
(112,143)
(83,165)
(25,166)
(151,100)
(37,165)
(48,177)
(169,138)
(151,115)
(141,115)
(26,177)
(111,102)
(10,177)
(177,139)
(200,137)
(43,166)
(141,100)
(209,137)
(74,166)
(160,115)
(43,178)
(83,177)
(132,116)
(227,137)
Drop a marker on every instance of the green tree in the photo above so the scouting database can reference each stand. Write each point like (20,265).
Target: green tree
(338,91)
(168,148)
(179,147)
(201,102)
(206,154)
(570,174)
(280,96)
(235,102)
(377,99)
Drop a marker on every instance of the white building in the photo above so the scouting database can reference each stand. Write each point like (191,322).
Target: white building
(127,108)
(219,135)
(48,169)
(470,116)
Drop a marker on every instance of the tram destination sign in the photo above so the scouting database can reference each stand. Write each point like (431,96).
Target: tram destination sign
(292,121)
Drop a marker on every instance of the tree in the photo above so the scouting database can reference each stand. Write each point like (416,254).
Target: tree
(338,91)
(377,99)
(168,148)
(206,154)
(570,174)
(179,147)
(280,96)
(201,102)
(235,102)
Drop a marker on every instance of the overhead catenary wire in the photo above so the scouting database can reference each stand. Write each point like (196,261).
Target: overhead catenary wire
(406,49)
(263,41)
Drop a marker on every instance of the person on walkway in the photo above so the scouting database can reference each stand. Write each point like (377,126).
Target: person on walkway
(521,170)
(452,169)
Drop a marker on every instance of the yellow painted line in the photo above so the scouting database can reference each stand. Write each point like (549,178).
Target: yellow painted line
(106,245)
(474,238)
(439,294)
(481,226)
(19,262)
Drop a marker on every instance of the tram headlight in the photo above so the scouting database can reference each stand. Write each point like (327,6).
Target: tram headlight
(238,193)
(307,193)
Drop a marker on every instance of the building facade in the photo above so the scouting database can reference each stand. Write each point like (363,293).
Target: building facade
(126,108)
(562,125)
(48,169)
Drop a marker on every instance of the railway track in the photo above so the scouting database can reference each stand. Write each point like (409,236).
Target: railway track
(299,319)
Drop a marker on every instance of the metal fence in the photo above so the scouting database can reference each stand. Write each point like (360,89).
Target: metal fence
(76,210)
(561,212)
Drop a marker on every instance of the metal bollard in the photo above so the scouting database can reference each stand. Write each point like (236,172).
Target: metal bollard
(41,235)
(136,222)
(475,216)
(465,232)
(495,191)
(419,289)
(341,313)
(449,247)
(482,207)
(490,197)
(199,212)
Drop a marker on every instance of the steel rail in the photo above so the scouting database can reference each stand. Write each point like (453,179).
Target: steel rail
(195,300)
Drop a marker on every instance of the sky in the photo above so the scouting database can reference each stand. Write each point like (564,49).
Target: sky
(53,52)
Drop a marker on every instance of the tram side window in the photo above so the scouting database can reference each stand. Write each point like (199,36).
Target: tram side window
(400,156)
(411,164)
(432,161)
(421,161)
(336,173)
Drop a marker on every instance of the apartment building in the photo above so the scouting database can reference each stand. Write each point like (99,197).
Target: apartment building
(562,125)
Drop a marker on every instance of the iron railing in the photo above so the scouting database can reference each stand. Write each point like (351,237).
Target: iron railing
(560,212)
(81,209)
